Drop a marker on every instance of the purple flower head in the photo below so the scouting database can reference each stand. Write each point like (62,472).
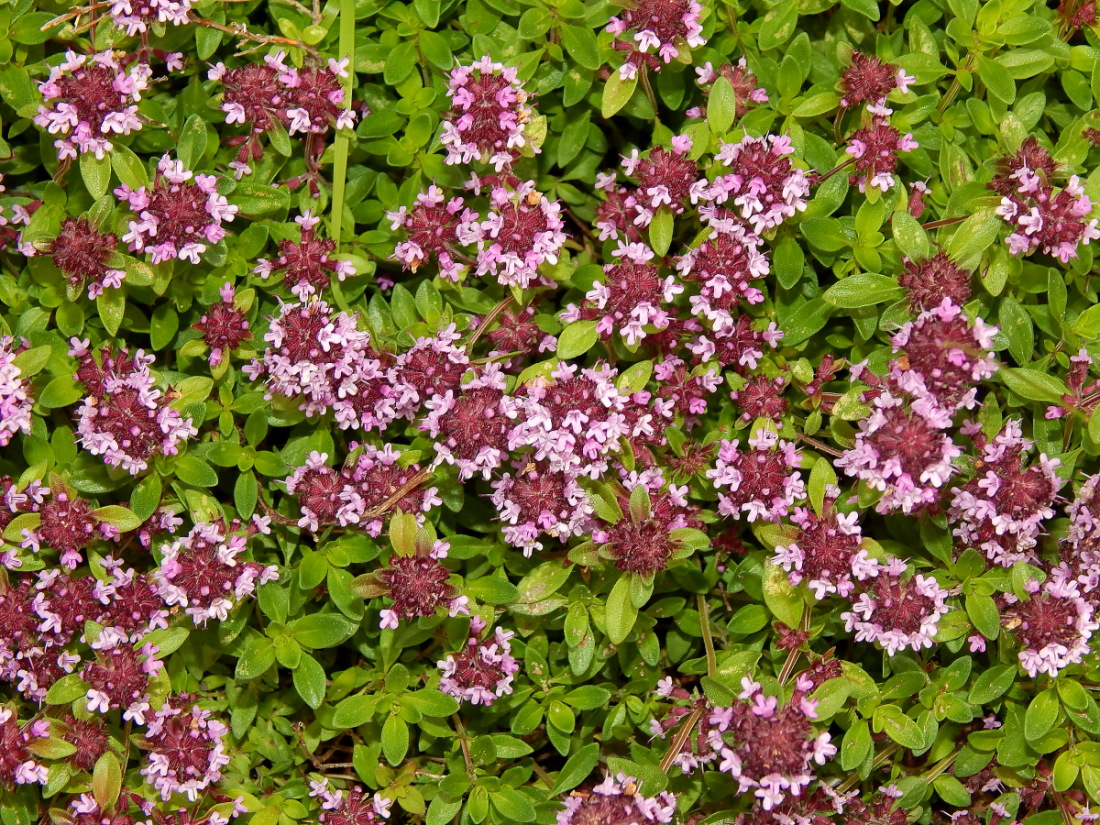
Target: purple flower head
(633,295)
(482,672)
(740,346)
(746,91)
(315,97)
(642,541)
(896,612)
(770,748)
(324,360)
(931,281)
(1000,511)
(132,606)
(762,397)
(203,573)
(88,99)
(418,586)
(140,16)
(434,229)
(518,333)
(119,678)
(488,115)
(17,764)
(573,421)
(352,807)
(724,266)
(652,33)
(1055,222)
(89,737)
(354,495)
(82,253)
(827,552)
(254,97)
(875,149)
(179,216)
(306,266)
(521,231)
(616,801)
(469,425)
(223,327)
(15,393)
(759,482)
(869,80)
(944,356)
(902,450)
(1055,625)
(185,749)
(681,392)
(427,370)
(534,500)
(665,177)
(764,186)
(125,418)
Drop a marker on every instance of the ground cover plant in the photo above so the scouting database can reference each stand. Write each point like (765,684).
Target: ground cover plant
(494,411)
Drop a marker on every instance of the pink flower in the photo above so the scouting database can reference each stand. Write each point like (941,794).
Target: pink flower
(186,751)
(897,613)
(488,115)
(482,672)
(615,800)
(760,482)
(15,394)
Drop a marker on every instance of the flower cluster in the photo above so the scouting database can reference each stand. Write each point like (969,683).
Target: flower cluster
(896,612)
(770,749)
(306,266)
(89,98)
(203,573)
(140,16)
(869,80)
(120,678)
(828,550)
(1053,625)
(746,92)
(362,493)
(84,254)
(17,765)
(435,228)
(483,671)
(186,751)
(179,216)
(15,394)
(416,583)
(931,281)
(645,542)
(534,500)
(760,482)
(662,27)
(1001,511)
(488,115)
(1055,222)
(874,149)
(469,426)
(124,417)
(223,327)
(521,231)
(616,801)
(353,807)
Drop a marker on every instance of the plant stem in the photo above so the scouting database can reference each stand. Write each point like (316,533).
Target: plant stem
(708,642)
(487,320)
(470,772)
(943,222)
(681,737)
(340,162)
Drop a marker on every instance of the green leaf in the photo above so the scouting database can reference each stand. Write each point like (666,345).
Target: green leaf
(112,307)
(891,720)
(1041,715)
(428,11)
(621,612)
(492,590)
(194,471)
(863,289)
(785,603)
(163,326)
(817,105)
(167,640)
(192,141)
(580,43)
(577,339)
(512,805)
(309,681)
(721,106)
(145,497)
(855,746)
(1087,324)
(32,361)
(999,82)
(909,236)
(96,173)
(107,780)
(788,262)
(352,712)
(806,321)
(951,790)
(576,769)
(322,630)
(66,690)
(868,8)
(432,702)
(121,517)
(991,684)
(1016,324)
(587,697)
(616,93)
(258,655)
(821,476)
(983,612)
(1034,385)
(395,739)
(660,231)
(61,392)
(255,199)
(973,237)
